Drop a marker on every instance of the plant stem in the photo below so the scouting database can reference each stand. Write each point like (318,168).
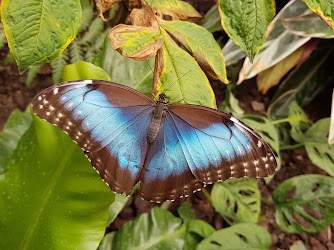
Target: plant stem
(267,202)
(281,121)
(291,146)
(207,195)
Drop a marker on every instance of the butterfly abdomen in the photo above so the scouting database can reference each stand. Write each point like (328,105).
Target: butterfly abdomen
(154,127)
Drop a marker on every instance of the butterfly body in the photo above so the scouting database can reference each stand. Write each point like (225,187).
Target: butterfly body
(158,114)
(171,150)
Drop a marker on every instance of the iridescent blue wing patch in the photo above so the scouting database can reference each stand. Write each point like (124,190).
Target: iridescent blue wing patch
(166,174)
(217,146)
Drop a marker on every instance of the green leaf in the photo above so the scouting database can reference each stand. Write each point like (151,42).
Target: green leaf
(298,121)
(136,42)
(106,243)
(316,144)
(181,77)
(280,42)
(175,8)
(305,203)
(324,9)
(246,22)
(51,197)
(202,46)
(157,230)
(117,206)
(17,124)
(126,71)
(197,230)
(38,31)
(211,21)
(84,70)
(237,199)
(303,84)
(3,40)
(308,25)
(239,236)
(185,212)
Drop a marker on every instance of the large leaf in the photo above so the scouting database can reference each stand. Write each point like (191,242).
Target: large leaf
(323,8)
(38,31)
(237,199)
(157,230)
(84,70)
(271,77)
(17,124)
(181,77)
(316,144)
(238,236)
(136,42)
(308,25)
(51,197)
(305,203)
(201,44)
(280,42)
(177,9)
(126,71)
(304,83)
(246,22)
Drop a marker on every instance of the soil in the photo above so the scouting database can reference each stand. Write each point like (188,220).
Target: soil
(15,95)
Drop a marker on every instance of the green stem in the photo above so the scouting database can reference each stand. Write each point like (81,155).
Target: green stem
(207,195)
(292,146)
(267,202)
(281,121)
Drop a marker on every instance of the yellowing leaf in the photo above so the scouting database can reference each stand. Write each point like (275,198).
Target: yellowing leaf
(178,10)
(180,76)
(135,42)
(38,31)
(246,22)
(324,9)
(202,45)
(271,77)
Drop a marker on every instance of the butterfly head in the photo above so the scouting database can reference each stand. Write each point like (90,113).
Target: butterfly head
(162,97)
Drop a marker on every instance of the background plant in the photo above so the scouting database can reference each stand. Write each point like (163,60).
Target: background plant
(284,50)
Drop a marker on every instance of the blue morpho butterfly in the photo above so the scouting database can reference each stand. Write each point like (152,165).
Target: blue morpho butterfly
(172,150)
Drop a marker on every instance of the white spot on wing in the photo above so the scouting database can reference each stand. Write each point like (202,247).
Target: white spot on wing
(55,91)
(39,98)
(259,144)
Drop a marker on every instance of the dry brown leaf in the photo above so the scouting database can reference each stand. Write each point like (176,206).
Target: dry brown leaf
(144,16)
(145,52)
(104,5)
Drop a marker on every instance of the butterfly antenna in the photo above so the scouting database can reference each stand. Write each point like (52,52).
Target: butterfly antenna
(153,74)
(177,80)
